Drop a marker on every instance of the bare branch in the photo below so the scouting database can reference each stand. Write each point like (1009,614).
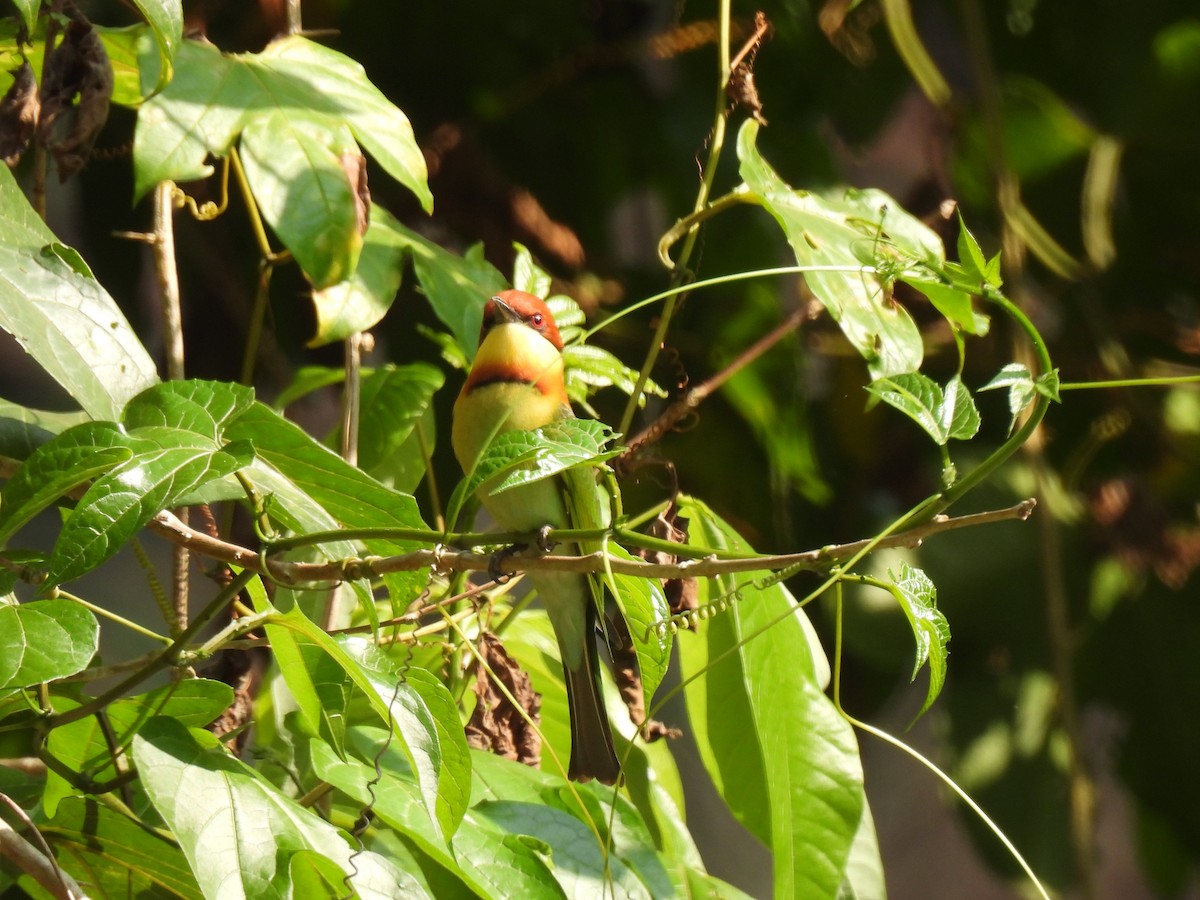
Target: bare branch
(445,560)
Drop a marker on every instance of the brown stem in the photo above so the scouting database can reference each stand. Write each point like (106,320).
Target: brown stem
(452,560)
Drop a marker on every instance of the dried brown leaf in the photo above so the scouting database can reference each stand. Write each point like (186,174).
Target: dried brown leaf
(77,68)
(496,724)
(354,164)
(18,114)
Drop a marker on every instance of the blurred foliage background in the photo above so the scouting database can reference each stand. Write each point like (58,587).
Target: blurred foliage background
(1069,135)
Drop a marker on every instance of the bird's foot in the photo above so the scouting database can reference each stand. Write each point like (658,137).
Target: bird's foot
(497,558)
(543,539)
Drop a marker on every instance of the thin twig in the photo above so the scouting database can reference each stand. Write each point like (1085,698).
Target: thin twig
(163,248)
(680,273)
(701,392)
(351,397)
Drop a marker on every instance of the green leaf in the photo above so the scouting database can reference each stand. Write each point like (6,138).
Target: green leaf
(918,397)
(568,316)
(168,463)
(213,96)
(165,18)
(456,286)
(64,319)
(202,407)
(864,870)
(970,256)
(958,414)
(84,747)
(528,276)
(59,466)
(579,862)
(779,753)
(361,300)
(23,430)
(480,857)
(436,754)
(943,414)
(590,368)
(393,401)
(825,232)
(114,855)
(316,681)
(307,380)
(1021,389)
(315,489)
(454,767)
(516,458)
(220,809)
(28,10)
(917,596)
(1046,384)
(642,603)
(45,640)
(296,164)
(559,446)
(951,302)
(614,823)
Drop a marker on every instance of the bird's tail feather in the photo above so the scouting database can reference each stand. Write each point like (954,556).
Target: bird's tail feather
(592,752)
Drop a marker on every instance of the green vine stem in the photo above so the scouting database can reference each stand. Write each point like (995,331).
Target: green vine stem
(922,759)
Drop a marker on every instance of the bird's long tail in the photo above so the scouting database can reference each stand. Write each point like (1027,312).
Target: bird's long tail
(592,752)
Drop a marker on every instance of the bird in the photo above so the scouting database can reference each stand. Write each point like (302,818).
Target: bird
(516,382)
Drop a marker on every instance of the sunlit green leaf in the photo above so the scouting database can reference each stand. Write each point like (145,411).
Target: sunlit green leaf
(917,596)
(296,164)
(45,640)
(203,407)
(1021,388)
(87,747)
(220,809)
(780,754)
(437,756)
(64,319)
(456,286)
(115,856)
(918,397)
(362,299)
(958,415)
(970,256)
(66,462)
(954,304)
(827,232)
(213,96)
(167,464)
(589,368)
(393,401)
(315,489)
(28,10)
(579,862)
(528,276)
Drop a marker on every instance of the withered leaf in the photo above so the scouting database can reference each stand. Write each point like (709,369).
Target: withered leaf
(496,724)
(629,683)
(354,164)
(18,114)
(77,67)
(680,593)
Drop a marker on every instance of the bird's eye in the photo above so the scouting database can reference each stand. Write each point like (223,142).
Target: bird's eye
(537,320)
